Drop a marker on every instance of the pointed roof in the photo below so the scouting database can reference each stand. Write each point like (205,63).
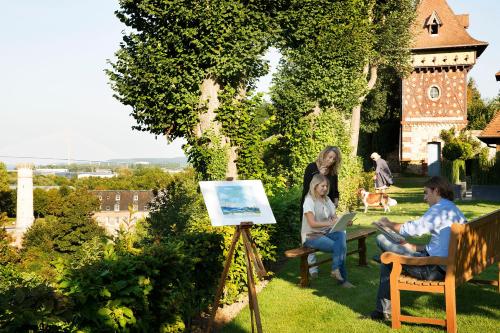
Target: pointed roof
(452,28)
(491,133)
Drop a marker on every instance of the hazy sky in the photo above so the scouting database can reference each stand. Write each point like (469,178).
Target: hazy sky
(55,100)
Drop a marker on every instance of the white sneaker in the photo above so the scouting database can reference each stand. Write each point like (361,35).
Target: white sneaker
(336,275)
(348,284)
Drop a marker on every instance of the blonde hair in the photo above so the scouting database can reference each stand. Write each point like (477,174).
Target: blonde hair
(334,168)
(315,181)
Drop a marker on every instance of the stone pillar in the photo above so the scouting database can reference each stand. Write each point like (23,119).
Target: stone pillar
(24,215)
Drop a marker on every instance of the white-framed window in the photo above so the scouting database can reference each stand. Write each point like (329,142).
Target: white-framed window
(136,197)
(117,197)
(434,93)
(117,207)
(100,197)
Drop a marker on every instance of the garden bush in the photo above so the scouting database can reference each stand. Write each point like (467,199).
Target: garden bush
(285,234)
(147,292)
(8,254)
(486,171)
(29,304)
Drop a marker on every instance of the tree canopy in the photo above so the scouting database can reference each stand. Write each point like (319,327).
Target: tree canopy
(177,60)
(186,68)
(479,112)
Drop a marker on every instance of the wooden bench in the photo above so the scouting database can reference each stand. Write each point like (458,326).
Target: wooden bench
(473,247)
(360,235)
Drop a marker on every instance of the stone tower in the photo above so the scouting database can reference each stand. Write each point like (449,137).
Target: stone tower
(435,94)
(24,213)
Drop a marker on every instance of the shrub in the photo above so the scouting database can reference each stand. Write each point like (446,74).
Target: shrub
(8,254)
(484,170)
(458,148)
(285,234)
(169,280)
(28,304)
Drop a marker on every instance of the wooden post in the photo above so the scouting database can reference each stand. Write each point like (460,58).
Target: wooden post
(251,256)
(362,251)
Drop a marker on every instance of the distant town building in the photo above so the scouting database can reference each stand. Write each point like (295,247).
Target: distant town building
(46,171)
(114,207)
(435,94)
(98,173)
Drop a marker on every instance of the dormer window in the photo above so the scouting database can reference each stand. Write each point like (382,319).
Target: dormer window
(433,24)
(434,28)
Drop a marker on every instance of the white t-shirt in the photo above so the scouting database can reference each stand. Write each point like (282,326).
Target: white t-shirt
(322,210)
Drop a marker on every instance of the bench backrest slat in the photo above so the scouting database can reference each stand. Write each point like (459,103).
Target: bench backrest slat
(474,246)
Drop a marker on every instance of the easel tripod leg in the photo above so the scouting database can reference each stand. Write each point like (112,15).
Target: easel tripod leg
(227,264)
(255,257)
(252,295)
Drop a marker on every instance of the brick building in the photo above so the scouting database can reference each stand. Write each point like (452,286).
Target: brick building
(434,95)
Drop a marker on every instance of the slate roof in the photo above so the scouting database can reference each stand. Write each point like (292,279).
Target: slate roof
(124,198)
(452,31)
(491,133)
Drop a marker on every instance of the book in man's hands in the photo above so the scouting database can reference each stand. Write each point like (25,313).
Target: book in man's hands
(341,224)
(389,233)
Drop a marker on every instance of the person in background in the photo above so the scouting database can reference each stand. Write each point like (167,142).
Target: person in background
(383,175)
(318,219)
(437,221)
(327,164)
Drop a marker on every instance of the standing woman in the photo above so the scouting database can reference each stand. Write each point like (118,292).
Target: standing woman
(319,217)
(327,164)
(383,175)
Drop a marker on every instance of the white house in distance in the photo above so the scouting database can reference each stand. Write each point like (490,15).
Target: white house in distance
(114,208)
(98,173)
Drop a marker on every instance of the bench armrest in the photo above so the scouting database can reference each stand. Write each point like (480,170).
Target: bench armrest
(390,257)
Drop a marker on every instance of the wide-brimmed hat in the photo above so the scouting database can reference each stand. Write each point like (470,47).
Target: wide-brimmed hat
(374,156)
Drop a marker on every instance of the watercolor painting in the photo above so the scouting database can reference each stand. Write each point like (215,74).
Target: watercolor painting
(237,200)
(234,202)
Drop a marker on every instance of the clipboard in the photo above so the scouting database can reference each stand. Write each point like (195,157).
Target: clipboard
(341,225)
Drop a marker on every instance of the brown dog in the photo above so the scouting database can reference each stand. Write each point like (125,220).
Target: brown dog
(376,200)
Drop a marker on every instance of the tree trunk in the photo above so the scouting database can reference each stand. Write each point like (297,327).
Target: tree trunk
(356,111)
(210,98)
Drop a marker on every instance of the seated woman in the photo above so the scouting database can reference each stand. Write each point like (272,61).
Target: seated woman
(318,218)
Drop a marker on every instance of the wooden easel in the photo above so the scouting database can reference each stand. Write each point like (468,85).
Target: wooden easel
(251,256)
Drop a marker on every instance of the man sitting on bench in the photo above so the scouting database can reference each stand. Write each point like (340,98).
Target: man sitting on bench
(437,220)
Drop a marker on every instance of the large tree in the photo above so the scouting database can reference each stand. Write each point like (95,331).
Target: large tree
(323,45)
(390,29)
(381,117)
(479,112)
(184,64)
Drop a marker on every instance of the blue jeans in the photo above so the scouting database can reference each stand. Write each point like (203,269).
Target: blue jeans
(427,272)
(334,243)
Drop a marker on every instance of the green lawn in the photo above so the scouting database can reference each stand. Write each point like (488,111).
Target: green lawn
(326,307)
